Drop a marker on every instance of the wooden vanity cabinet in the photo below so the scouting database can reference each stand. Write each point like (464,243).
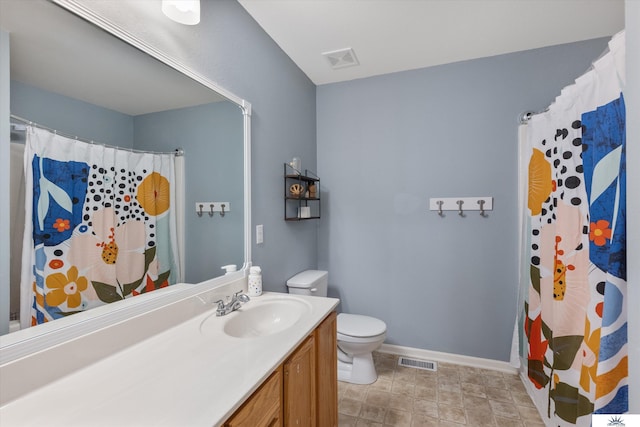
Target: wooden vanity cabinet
(300,386)
(264,408)
(327,372)
(303,391)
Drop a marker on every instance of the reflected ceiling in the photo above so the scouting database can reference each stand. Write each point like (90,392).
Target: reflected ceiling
(32,29)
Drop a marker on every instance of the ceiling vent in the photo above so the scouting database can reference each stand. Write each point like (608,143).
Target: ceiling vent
(341,58)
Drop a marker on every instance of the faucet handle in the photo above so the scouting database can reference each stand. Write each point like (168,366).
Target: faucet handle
(220,304)
(242,297)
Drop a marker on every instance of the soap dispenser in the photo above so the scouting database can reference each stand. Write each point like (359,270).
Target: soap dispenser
(231,268)
(255,281)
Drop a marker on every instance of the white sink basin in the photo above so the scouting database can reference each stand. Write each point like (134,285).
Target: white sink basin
(258,318)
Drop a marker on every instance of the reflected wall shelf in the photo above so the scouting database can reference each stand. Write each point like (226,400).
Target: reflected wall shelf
(301,195)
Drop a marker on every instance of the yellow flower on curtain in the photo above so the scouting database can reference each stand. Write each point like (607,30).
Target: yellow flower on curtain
(540,182)
(66,288)
(154,194)
(589,359)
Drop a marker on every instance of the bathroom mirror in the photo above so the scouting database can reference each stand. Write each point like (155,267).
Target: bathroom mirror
(61,53)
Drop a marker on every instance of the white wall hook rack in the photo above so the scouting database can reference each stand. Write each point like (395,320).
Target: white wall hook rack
(461,204)
(211,208)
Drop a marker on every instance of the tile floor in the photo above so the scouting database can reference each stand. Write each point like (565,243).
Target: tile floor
(453,396)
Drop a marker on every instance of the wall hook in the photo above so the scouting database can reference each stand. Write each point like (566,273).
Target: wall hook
(441,204)
(214,206)
(481,203)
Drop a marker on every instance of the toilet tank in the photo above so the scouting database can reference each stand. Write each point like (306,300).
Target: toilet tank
(309,282)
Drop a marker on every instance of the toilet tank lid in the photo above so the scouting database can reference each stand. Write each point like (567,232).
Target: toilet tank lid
(306,279)
(357,325)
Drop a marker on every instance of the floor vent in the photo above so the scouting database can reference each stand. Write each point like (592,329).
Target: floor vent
(427,365)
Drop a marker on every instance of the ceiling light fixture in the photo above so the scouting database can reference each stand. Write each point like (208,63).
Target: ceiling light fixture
(183,11)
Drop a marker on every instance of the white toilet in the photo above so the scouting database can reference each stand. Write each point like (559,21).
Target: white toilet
(358,336)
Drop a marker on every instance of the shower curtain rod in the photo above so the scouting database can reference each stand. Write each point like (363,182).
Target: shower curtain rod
(525,116)
(178,151)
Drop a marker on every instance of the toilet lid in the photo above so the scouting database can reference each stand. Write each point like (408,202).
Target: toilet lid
(357,325)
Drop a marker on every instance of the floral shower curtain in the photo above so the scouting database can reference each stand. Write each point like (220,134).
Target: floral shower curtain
(101,226)
(574,321)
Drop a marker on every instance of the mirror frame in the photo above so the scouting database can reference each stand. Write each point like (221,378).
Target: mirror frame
(27,341)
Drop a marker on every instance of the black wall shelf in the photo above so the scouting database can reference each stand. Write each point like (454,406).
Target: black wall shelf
(307,200)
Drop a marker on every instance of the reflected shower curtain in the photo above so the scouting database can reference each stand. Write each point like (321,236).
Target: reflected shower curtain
(573,277)
(100,228)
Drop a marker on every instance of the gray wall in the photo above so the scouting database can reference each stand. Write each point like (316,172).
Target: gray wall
(71,116)
(211,136)
(385,146)
(229,48)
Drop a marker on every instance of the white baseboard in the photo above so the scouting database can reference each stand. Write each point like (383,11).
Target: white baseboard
(458,359)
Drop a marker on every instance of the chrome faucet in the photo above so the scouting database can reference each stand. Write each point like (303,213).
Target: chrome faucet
(236,302)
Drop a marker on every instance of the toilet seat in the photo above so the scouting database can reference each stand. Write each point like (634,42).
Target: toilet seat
(356,326)
(363,340)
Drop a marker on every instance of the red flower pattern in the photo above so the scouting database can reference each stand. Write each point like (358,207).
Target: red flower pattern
(600,232)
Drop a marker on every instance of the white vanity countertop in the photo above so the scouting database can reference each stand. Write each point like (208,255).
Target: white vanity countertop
(179,377)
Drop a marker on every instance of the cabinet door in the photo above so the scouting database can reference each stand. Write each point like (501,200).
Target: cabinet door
(327,367)
(263,408)
(300,386)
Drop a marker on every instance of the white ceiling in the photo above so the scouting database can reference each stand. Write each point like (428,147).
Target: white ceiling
(396,35)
